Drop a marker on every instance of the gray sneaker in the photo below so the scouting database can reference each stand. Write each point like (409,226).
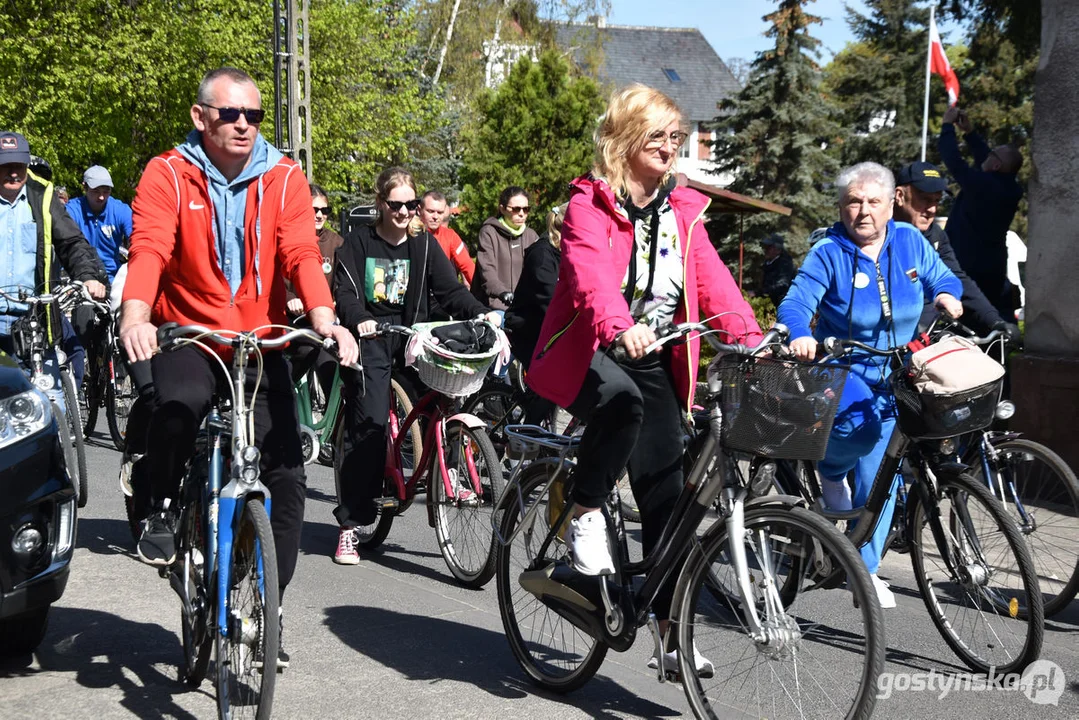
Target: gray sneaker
(157,546)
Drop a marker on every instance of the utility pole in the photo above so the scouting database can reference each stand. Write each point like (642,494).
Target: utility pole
(292,82)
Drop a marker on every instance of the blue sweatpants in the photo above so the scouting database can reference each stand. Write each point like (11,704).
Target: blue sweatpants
(859,438)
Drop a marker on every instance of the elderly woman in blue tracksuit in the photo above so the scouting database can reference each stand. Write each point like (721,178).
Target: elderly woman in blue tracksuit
(867,280)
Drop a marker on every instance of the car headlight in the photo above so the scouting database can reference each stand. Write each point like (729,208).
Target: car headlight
(23,415)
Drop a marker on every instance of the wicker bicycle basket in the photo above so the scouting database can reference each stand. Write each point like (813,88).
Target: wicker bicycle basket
(451,373)
(778,408)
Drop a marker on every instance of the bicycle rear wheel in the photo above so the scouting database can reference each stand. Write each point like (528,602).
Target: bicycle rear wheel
(91,395)
(119,397)
(801,670)
(247,656)
(498,405)
(980,589)
(1048,492)
(74,422)
(554,653)
(463,521)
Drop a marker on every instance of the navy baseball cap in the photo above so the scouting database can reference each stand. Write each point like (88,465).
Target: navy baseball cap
(925,176)
(14,148)
(773,239)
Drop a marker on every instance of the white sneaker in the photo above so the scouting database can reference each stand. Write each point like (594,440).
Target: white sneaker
(588,544)
(705,669)
(885,597)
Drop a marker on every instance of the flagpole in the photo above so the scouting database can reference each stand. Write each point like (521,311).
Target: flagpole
(928,65)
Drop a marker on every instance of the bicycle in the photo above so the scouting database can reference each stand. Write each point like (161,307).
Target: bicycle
(971,565)
(783,646)
(225,570)
(30,336)
(106,383)
(1039,490)
(458,464)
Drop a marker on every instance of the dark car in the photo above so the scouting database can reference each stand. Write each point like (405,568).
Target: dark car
(37,512)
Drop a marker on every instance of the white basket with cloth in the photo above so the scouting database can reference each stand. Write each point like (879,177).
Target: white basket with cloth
(451,372)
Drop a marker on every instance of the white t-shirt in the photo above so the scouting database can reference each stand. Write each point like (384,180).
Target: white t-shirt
(660,306)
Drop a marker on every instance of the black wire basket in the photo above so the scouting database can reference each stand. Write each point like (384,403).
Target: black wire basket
(778,408)
(926,416)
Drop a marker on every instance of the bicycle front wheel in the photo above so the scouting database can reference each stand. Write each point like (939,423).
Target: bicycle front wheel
(463,515)
(190,567)
(1045,504)
(247,655)
(823,647)
(978,580)
(74,423)
(554,653)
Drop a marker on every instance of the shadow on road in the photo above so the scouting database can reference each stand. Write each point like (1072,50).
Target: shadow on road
(431,650)
(105,536)
(107,651)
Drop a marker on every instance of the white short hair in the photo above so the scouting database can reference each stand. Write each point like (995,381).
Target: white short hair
(867,173)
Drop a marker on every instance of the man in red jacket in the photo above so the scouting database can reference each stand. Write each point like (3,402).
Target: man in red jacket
(433,213)
(219,223)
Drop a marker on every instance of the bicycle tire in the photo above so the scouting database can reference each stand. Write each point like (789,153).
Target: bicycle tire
(997,619)
(497,405)
(91,388)
(67,448)
(561,669)
(237,667)
(411,446)
(626,500)
(1049,492)
(195,630)
(71,400)
(464,531)
(827,642)
(119,398)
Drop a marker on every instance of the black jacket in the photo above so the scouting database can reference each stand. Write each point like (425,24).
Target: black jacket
(430,272)
(777,277)
(978,313)
(533,293)
(980,217)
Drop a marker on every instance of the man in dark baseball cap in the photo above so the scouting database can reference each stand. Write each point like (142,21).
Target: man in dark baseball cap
(919,187)
(14,149)
(778,272)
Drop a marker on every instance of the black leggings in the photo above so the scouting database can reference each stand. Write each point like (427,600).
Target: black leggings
(633,421)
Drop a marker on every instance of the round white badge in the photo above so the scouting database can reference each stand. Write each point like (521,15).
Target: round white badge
(861,280)
(326,267)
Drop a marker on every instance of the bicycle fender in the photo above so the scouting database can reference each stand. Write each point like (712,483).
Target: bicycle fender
(468,420)
(951,467)
(1004,437)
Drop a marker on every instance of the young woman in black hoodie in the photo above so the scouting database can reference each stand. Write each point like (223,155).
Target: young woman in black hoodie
(383,275)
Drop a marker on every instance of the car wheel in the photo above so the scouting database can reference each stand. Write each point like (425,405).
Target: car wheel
(22,634)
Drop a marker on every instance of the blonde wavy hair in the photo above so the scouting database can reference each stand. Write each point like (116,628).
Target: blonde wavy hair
(633,113)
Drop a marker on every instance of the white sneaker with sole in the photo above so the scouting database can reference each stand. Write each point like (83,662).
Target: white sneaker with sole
(588,544)
(885,597)
(705,669)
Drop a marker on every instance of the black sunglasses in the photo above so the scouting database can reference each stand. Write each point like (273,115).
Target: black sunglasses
(410,205)
(322,210)
(231,114)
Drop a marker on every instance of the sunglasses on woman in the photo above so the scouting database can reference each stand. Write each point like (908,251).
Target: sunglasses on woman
(322,211)
(396,205)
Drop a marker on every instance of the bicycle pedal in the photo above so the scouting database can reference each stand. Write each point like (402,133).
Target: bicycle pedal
(387,503)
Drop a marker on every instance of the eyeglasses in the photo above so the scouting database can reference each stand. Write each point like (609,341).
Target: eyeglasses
(322,210)
(231,114)
(513,210)
(659,138)
(410,205)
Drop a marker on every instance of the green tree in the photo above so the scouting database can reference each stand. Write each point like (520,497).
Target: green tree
(535,131)
(771,136)
(878,84)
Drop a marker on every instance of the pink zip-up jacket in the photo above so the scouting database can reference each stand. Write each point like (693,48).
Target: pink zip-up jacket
(588,310)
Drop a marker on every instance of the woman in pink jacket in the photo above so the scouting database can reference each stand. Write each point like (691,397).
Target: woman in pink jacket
(635,256)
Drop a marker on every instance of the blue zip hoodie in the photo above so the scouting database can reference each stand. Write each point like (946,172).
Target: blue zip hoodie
(230,200)
(838,282)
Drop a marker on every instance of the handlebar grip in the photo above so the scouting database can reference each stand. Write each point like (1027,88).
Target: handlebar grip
(165,331)
(618,352)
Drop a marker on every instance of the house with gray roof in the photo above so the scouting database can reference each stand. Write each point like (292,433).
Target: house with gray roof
(676,61)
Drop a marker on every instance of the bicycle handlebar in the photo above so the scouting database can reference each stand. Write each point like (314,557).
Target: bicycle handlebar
(672,333)
(45,298)
(171,333)
(836,348)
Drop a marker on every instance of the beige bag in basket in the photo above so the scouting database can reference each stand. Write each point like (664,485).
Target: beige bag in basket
(952,365)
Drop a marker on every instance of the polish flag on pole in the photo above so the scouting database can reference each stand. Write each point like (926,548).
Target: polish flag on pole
(939,65)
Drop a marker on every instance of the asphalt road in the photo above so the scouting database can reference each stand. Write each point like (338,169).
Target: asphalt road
(394,637)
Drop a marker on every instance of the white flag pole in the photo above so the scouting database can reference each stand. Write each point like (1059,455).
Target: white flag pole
(928,65)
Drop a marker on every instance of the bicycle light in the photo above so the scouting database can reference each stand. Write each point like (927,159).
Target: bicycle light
(250,455)
(1005,410)
(947,446)
(763,480)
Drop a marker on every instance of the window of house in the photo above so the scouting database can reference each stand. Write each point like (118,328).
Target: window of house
(687,147)
(672,74)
